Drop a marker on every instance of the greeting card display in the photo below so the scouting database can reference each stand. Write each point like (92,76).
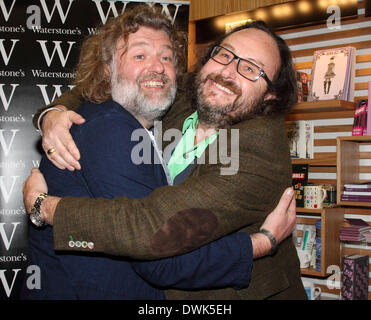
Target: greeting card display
(301,138)
(333,74)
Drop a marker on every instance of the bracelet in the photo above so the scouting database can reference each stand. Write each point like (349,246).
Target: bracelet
(41,116)
(35,214)
(272,239)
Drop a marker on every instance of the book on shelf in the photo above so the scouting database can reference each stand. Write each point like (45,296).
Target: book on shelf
(368,129)
(357,189)
(367,237)
(352,198)
(318,245)
(302,81)
(333,74)
(301,138)
(355,223)
(354,230)
(299,181)
(305,239)
(362,120)
(363,192)
(355,277)
(361,185)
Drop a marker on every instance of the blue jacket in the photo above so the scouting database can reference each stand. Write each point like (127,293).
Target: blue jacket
(107,155)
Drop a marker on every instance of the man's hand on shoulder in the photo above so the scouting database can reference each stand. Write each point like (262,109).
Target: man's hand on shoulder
(56,138)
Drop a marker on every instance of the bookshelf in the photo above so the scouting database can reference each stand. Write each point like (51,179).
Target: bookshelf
(331,218)
(349,155)
(331,221)
(332,112)
(318,110)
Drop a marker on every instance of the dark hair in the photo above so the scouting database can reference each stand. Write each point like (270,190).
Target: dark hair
(284,82)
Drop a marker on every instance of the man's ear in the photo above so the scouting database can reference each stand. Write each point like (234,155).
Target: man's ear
(107,70)
(270,96)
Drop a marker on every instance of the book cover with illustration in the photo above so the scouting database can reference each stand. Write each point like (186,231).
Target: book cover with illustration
(355,277)
(333,74)
(299,181)
(368,130)
(301,138)
(302,80)
(361,119)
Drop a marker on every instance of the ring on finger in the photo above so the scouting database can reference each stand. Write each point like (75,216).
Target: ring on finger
(50,151)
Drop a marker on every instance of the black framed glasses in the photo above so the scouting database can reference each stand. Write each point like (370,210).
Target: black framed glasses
(245,68)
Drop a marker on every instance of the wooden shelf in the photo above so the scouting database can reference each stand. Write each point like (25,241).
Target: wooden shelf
(329,161)
(359,139)
(324,109)
(311,272)
(323,106)
(354,204)
(331,218)
(309,211)
(331,221)
(348,165)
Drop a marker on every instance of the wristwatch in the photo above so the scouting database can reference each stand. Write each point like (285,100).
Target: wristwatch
(272,239)
(35,214)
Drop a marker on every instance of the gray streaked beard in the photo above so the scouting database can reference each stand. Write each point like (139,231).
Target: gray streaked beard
(132,98)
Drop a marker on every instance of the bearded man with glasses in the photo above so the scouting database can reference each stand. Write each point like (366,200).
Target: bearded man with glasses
(246,82)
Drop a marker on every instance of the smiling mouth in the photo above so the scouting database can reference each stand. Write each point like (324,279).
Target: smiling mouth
(153,84)
(223,88)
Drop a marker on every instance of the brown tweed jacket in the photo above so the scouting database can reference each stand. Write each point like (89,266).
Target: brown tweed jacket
(177,219)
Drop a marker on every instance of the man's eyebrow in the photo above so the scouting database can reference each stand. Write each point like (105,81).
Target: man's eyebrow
(145,44)
(230,47)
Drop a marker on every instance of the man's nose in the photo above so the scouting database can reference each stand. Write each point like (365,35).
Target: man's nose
(230,70)
(156,65)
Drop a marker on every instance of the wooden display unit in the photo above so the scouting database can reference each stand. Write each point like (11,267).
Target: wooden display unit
(326,159)
(317,110)
(331,221)
(348,164)
(324,109)
(331,218)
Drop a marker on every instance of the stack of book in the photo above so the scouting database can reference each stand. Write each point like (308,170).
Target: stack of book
(357,192)
(354,230)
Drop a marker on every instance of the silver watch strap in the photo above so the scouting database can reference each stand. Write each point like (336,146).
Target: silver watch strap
(272,239)
(35,214)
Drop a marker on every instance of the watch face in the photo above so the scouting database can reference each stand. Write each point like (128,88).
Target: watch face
(36,219)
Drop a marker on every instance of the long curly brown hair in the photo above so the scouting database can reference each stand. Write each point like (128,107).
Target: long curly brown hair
(98,50)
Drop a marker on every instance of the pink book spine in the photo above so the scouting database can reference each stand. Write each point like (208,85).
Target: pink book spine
(359,120)
(365,124)
(368,130)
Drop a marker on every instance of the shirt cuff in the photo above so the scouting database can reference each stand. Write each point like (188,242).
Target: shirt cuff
(244,268)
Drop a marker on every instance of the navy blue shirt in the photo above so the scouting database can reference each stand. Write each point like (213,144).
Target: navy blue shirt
(111,167)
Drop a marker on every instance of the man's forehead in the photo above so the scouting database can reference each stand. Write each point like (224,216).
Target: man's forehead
(252,44)
(145,36)
(149,34)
